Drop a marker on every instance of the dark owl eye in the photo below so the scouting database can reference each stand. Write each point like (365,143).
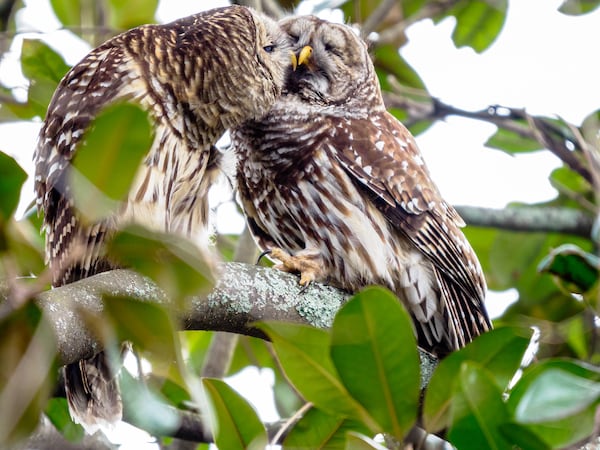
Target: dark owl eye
(328,47)
(295,38)
(269,48)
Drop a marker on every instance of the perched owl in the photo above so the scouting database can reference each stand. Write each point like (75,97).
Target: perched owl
(336,188)
(196,76)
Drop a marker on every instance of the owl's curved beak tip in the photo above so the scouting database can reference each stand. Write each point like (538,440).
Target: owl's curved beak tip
(302,58)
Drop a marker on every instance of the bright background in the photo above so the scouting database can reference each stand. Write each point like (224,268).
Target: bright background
(537,50)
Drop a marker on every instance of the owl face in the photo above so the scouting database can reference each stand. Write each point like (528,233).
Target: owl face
(333,64)
(272,48)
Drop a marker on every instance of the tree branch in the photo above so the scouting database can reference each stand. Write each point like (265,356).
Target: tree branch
(565,146)
(530,218)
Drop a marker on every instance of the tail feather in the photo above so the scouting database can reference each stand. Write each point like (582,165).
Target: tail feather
(93,393)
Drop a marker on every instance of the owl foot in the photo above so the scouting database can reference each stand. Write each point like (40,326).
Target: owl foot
(307,265)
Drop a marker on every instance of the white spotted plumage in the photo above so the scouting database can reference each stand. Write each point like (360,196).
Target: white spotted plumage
(196,77)
(337,188)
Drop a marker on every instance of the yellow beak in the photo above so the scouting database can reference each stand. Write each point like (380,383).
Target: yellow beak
(302,57)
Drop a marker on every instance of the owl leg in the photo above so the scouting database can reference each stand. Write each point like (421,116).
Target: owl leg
(309,265)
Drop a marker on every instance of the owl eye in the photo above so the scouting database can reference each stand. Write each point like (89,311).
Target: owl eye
(269,48)
(295,38)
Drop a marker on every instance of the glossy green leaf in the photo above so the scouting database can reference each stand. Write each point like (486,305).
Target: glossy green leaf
(572,265)
(578,7)
(67,11)
(173,392)
(12,177)
(318,429)
(477,411)
(235,423)
(174,263)
(478,22)
(147,409)
(57,411)
(303,352)
(108,158)
(44,68)
(512,143)
(147,325)
(375,353)
(39,61)
(355,441)
(563,395)
(522,437)
(27,371)
(555,394)
(129,14)
(500,351)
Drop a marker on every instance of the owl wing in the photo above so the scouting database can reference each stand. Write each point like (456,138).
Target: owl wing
(382,156)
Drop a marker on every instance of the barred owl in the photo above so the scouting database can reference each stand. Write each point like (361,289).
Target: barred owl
(196,77)
(337,190)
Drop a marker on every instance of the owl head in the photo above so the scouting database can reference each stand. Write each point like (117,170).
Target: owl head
(332,65)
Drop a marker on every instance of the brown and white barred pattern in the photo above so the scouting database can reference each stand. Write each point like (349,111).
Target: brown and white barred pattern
(197,77)
(330,177)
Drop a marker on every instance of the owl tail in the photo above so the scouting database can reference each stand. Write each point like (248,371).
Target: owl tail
(93,393)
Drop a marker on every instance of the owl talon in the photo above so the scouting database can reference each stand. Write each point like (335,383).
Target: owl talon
(307,265)
(262,255)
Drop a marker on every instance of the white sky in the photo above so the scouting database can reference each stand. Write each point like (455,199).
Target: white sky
(542,60)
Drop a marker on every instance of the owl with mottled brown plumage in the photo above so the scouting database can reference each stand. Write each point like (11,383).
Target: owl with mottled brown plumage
(336,189)
(196,77)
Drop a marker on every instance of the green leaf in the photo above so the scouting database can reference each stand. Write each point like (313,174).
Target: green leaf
(108,158)
(27,371)
(573,265)
(355,441)
(235,424)
(147,409)
(57,411)
(555,394)
(147,325)
(12,177)
(522,437)
(303,352)
(578,7)
(500,351)
(174,263)
(478,22)
(39,61)
(388,60)
(566,180)
(318,429)
(512,142)
(375,353)
(129,14)
(67,11)
(556,400)
(44,68)
(477,411)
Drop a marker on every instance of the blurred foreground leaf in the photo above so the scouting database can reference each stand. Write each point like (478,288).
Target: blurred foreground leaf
(108,158)
(235,424)
(174,263)
(27,371)
(574,266)
(12,177)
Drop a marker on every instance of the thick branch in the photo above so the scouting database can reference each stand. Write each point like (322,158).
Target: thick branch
(529,218)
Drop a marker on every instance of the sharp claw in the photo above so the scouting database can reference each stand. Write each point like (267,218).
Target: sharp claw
(262,255)
(304,288)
